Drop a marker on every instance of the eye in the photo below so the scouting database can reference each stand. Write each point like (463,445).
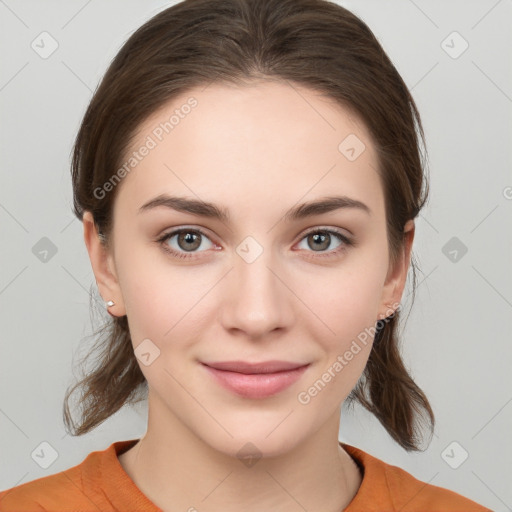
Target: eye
(185,240)
(321,239)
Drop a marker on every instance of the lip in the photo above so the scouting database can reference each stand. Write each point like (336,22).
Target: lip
(256,380)
(252,368)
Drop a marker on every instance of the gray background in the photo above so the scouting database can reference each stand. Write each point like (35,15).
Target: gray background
(457,340)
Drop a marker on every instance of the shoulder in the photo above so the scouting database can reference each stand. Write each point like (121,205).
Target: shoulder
(47,493)
(72,489)
(56,492)
(410,494)
(391,488)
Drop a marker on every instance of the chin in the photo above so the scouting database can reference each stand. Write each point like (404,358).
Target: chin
(255,442)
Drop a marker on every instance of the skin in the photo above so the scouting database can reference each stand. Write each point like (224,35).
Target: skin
(256,150)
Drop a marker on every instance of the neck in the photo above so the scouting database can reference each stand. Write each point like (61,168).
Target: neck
(177,470)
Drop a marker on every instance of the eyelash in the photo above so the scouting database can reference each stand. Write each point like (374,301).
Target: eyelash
(346,242)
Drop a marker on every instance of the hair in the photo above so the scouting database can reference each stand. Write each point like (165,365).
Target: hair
(314,43)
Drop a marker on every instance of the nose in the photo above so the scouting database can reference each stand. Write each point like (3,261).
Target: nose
(257,301)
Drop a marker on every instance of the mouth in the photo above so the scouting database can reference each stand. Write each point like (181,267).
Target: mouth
(256,380)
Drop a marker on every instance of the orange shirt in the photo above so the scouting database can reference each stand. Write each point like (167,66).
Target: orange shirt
(100,484)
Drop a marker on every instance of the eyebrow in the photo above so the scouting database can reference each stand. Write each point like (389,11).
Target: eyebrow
(212,211)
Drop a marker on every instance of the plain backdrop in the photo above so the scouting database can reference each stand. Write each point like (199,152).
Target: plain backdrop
(455,56)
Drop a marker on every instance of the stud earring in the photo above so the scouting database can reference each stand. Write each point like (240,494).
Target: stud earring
(109,304)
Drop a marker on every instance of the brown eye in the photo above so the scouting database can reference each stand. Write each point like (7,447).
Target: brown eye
(182,241)
(320,240)
(189,240)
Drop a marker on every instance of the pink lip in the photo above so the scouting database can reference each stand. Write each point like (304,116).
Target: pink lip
(256,380)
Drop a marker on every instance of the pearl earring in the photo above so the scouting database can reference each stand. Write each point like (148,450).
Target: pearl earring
(109,304)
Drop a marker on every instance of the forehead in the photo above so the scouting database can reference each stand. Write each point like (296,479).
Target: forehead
(269,140)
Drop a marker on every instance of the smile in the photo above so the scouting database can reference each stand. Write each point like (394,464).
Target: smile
(273,377)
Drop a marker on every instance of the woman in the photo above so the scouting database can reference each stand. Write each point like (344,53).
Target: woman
(248,174)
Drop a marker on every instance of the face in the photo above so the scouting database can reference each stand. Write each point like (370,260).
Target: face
(259,283)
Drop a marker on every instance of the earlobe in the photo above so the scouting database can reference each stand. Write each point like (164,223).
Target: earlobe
(103,267)
(397,276)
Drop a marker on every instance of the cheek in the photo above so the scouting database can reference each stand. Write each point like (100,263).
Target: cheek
(153,294)
(346,299)
(163,298)
(165,302)
(346,306)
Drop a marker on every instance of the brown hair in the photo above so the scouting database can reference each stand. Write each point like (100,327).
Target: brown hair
(314,43)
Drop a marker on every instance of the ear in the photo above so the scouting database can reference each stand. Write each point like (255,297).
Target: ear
(397,275)
(102,262)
